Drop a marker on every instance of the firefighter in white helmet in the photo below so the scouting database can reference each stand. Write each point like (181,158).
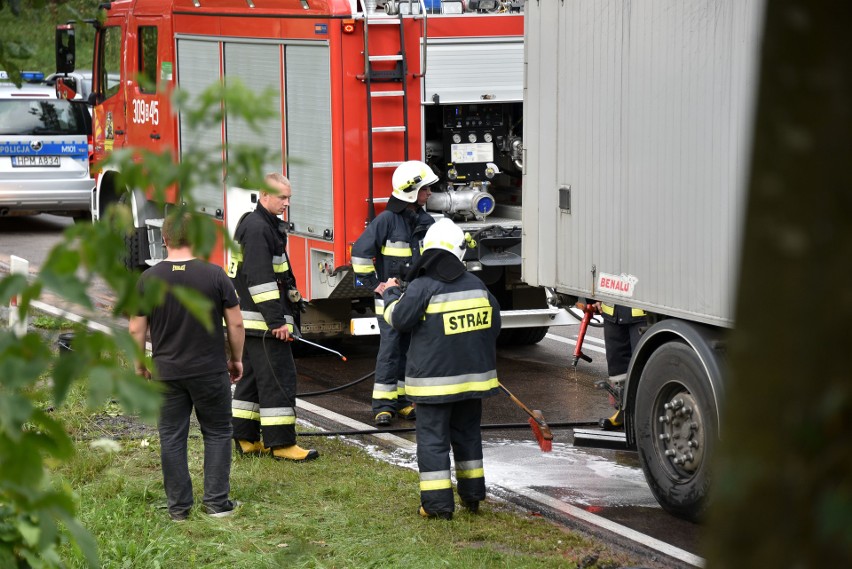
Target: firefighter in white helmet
(386,249)
(454,322)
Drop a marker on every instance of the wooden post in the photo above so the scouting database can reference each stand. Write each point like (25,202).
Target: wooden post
(16,323)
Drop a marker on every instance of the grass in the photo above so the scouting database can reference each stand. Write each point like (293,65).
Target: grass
(347,509)
(51,323)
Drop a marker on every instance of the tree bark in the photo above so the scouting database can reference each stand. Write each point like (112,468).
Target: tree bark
(782,494)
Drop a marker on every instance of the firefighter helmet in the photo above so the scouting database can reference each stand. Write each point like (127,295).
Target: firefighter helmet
(409,177)
(445,235)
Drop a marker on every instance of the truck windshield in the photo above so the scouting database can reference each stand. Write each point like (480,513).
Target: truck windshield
(43,117)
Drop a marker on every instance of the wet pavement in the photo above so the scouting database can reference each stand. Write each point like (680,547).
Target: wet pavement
(605,482)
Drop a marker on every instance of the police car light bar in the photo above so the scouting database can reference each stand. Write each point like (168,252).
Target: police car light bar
(32,76)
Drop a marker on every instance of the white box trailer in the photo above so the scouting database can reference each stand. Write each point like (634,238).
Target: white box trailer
(638,130)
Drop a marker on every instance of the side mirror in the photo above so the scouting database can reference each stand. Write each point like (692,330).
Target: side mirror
(66,87)
(66,54)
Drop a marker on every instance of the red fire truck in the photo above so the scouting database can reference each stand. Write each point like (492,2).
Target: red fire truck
(360,87)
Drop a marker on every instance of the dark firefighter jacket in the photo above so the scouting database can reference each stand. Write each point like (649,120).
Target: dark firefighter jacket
(261,273)
(393,239)
(454,327)
(622,314)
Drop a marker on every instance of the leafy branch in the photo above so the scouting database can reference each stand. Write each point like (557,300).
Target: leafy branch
(33,509)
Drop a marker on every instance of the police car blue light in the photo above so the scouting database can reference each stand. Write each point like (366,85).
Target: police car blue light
(32,76)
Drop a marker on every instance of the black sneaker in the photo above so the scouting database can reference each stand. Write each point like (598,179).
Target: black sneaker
(435,515)
(234,504)
(472,506)
(383,419)
(179,516)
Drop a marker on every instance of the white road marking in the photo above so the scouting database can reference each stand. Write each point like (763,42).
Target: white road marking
(572,342)
(608,525)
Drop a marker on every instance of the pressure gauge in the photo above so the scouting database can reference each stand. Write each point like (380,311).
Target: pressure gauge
(456,138)
(471,137)
(487,137)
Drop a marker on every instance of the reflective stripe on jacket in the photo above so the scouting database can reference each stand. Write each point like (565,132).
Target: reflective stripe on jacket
(622,314)
(393,240)
(454,328)
(261,273)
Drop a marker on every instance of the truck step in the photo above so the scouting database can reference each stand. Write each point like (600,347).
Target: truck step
(599,438)
(379,19)
(387,93)
(396,57)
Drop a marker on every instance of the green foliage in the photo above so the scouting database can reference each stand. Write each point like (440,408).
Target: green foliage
(37,514)
(50,323)
(27,38)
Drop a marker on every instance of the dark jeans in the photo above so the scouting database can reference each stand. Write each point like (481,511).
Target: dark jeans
(211,397)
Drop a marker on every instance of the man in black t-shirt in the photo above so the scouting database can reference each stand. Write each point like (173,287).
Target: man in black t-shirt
(191,361)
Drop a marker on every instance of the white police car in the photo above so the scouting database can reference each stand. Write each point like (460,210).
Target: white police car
(44,153)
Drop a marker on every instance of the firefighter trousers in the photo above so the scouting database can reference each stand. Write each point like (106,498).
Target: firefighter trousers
(264,400)
(389,385)
(440,428)
(620,340)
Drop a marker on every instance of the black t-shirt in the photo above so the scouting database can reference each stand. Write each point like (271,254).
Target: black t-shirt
(182,347)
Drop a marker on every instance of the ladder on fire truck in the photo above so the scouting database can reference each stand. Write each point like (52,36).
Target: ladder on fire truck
(384,25)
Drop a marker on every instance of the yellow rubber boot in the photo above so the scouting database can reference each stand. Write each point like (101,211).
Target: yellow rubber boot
(294,453)
(613,423)
(247,448)
(408,412)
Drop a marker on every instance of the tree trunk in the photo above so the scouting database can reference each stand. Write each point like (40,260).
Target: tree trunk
(783,475)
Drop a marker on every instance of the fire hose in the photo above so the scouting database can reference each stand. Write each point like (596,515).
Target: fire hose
(485,427)
(541,429)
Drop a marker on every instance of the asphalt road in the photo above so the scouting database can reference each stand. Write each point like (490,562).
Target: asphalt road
(598,491)
(30,237)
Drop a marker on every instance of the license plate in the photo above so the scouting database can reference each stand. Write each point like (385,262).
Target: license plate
(35,161)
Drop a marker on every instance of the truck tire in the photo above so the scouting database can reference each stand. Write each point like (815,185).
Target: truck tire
(132,258)
(676,426)
(506,337)
(529,336)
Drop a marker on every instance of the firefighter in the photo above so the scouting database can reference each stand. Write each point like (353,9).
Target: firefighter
(264,401)
(393,239)
(622,328)
(454,322)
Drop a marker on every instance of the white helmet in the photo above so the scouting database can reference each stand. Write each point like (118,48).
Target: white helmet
(446,235)
(409,177)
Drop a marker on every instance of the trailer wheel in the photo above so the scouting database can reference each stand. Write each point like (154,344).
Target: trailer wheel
(529,336)
(676,429)
(521,336)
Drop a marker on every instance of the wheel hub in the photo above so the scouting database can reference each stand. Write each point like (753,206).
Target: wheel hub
(681,433)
